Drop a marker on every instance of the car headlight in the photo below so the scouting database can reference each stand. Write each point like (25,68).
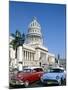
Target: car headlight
(57,77)
(19,75)
(42,79)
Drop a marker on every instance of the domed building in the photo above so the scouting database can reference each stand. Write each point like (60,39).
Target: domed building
(34,35)
(33,52)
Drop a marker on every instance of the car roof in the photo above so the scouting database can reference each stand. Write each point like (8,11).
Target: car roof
(58,68)
(32,67)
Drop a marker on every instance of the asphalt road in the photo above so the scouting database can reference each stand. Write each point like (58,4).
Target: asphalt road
(36,84)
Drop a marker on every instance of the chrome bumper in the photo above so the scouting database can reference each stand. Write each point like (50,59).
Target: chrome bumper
(49,81)
(16,82)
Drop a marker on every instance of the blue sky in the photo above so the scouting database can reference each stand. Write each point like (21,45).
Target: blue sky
(52,18)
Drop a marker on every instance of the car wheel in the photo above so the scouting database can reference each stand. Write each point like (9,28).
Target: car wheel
(26,83)
(60,82)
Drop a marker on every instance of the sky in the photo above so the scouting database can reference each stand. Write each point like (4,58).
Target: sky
(52,18)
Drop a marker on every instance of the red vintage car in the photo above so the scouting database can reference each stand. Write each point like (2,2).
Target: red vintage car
(27,76)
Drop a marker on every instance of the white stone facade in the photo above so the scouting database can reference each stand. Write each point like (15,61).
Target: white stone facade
(33,52)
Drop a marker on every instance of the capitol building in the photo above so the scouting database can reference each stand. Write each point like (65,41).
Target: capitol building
(32,52)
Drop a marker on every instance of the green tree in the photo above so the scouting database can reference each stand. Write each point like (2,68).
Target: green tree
(18,40)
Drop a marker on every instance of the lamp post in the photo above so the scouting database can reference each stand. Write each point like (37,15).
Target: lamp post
(58,59)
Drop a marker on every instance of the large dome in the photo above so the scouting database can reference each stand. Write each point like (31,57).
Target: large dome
(34,34)
(34,27)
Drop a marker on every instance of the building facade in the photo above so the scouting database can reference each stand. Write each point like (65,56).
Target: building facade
(33,52)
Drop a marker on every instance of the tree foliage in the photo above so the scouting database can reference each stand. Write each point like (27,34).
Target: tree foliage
(18,39)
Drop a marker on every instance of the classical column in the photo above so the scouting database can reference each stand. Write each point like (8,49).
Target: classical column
(47,62)
(30,56)
(27,55)
(33,56)
(20,58)
(24,54)
(12,53)
(11,57)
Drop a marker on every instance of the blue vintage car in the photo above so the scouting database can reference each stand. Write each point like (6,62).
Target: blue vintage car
(54,76)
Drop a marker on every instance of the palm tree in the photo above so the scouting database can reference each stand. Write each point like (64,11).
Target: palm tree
(18,40)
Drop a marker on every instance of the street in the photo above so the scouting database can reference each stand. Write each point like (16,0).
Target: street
(36,84)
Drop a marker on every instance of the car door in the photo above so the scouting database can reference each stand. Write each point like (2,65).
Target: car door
(28,76)
(61,74)
(31,76)
(34,75)
(38,73)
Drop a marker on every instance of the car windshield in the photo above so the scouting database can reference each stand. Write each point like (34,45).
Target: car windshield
(38,69)
(27,70)
(56,70)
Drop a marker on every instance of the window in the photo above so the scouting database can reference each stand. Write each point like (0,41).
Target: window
(27,70)
(56,70)
(33,30)
(33,23)
(38,69)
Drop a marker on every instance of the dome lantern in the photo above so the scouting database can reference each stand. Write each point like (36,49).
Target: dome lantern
(34,24)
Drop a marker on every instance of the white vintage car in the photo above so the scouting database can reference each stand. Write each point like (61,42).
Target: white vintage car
(54,76)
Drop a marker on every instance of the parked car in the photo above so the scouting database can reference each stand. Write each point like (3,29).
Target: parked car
(54,76)
(27,76)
